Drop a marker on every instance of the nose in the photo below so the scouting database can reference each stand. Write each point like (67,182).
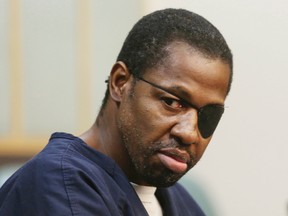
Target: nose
(186,128)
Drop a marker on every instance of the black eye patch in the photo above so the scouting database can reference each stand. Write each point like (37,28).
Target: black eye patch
(208,119)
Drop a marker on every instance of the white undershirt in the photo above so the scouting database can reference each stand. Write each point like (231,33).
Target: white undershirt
(148,199)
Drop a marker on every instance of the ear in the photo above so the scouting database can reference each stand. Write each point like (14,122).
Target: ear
(119,80)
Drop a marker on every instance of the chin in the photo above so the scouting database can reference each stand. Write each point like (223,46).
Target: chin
(162,179)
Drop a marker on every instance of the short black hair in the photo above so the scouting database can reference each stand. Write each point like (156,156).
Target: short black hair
(145,44)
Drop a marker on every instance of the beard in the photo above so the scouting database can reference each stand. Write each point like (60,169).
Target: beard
(146,166)
(144,159)
(150,169)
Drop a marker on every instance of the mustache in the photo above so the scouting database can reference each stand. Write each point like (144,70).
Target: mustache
(172,143)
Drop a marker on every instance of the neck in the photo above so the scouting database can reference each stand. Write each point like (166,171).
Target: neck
(105,137)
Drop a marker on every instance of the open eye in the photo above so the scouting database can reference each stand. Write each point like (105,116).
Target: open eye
(173,103)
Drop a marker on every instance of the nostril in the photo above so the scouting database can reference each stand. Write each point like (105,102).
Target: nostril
(190,143)
(183,143)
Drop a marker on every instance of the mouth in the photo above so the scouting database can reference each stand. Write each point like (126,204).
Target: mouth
(174,159)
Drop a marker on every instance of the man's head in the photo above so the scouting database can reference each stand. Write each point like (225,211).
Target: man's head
(145,45)
(166,95)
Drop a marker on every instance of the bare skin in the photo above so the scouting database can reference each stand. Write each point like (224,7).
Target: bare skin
(147,131)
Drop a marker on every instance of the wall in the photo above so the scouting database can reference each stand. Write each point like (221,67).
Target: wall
(55,56)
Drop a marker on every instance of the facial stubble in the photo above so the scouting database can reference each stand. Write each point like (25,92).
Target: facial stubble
(143,155)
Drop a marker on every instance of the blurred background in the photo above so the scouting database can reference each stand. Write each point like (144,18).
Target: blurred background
(55,56)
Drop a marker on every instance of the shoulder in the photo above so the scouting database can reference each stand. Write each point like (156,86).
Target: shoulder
(37,186)
(177,200)
(180,194)
(63,178)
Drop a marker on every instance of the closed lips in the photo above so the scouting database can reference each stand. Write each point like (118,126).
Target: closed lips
(174,159)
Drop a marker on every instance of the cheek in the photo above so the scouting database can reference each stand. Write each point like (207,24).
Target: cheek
(145,117)
(148,117)
(156,125)
(136,122)
(200,149)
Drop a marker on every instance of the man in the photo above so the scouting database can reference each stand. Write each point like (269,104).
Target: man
(164,99)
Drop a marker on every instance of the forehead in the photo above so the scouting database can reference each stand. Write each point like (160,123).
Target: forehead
(188,71)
